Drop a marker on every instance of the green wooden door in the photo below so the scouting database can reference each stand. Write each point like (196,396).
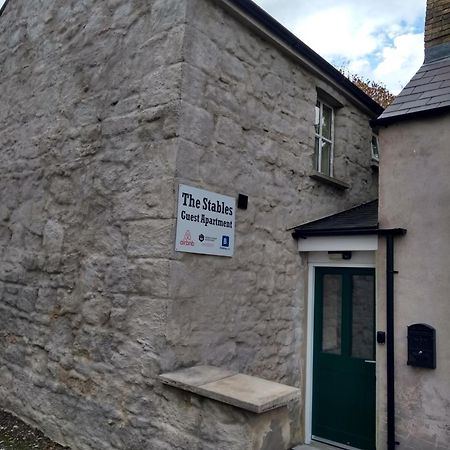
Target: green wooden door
(343,364)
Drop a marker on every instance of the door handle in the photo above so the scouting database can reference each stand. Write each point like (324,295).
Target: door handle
(370,361)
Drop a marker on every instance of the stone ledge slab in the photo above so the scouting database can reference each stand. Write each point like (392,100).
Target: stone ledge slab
(242,391)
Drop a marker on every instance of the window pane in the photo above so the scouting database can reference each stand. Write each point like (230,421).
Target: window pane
(331,318)
(317,118)
(325,167)
(374,147)
(327,115)
(363,297)
(316,154)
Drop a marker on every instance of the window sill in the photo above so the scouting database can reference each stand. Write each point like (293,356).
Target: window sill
(329,180)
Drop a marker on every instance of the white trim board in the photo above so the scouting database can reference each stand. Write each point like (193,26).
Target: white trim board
(338,243)
(358,259)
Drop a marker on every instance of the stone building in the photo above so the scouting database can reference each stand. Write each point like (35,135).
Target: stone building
(107,108)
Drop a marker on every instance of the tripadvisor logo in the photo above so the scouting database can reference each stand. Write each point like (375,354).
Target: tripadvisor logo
(187,239)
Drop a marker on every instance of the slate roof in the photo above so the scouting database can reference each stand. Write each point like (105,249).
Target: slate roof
(427,92)
(362,219)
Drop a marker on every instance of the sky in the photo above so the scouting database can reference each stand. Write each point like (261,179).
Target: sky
(380,40)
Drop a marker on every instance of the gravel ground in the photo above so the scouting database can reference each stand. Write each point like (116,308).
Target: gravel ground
(16,435)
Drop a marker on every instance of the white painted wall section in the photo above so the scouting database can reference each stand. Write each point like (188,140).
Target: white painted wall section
(338,243)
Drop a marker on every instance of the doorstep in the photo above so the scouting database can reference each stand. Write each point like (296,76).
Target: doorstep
(315,446)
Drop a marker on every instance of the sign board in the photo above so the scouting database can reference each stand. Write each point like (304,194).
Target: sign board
(205,222)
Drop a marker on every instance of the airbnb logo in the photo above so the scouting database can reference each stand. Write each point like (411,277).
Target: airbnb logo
(187,239)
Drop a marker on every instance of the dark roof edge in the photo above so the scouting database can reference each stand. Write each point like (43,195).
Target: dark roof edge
(361,205)
(432,112)
(392,232)
(3,7)
(293,42)
(303,234)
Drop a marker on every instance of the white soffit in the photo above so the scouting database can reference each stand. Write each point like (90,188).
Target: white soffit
(338,243)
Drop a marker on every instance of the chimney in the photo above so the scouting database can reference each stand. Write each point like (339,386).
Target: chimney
(437,30)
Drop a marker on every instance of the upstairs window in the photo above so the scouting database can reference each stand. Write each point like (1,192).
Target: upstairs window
(375,148)
(324,145)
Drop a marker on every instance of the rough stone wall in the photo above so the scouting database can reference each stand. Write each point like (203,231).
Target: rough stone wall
(247,127)
(415,194)
(105,107)
(90,95)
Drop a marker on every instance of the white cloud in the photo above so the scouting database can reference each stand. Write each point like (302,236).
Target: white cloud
(335,32)
(378,40)
(400,61)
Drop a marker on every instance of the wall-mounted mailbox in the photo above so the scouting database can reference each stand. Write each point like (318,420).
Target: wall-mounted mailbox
(422,346)
(381,337)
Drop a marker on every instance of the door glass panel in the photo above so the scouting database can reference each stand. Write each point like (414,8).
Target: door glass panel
(363,320)
(332,308)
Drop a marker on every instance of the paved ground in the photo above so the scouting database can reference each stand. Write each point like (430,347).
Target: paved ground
(16,435)
(315,446)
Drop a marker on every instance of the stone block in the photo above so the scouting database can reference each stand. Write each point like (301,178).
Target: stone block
(146,319)
(198,125)
(243,391)
(233,427)
(228,132)
(149,277)
(232,67)
(166,13)
(96,310)
(204,54)
(150,238)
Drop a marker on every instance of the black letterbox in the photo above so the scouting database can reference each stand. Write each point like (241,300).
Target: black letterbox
(422,346)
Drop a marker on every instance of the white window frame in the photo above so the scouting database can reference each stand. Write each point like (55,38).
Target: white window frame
(324,139)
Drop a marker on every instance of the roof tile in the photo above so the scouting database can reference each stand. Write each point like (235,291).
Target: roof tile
(420,82)
(445,83)
(440,98)
(436,92)
(429,89)
(441,77)
(426,87)
(407,98)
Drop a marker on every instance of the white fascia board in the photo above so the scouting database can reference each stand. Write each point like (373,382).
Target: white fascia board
(338,243)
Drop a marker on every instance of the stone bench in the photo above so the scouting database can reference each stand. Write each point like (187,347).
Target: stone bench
(260,404)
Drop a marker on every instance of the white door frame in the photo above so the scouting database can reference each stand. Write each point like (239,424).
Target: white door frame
(310,331)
